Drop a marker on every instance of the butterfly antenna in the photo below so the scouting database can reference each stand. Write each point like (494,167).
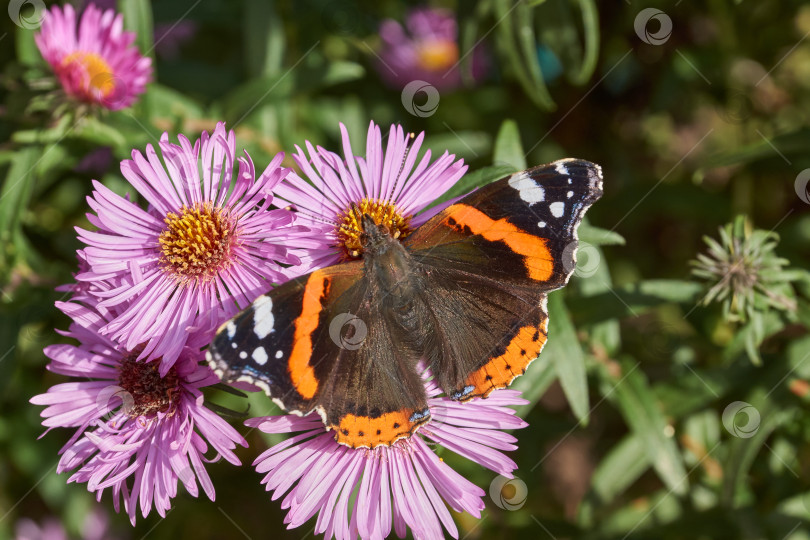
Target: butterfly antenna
(409,140)
(313,217)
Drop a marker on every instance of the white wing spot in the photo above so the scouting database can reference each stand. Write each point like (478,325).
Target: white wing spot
(541,224)
(569,194)
(243,355)
(233,345)
(527,188)
(561,168)
(260,356)
(230,328)
(557,209)
(569,180)
(263,320)
(279,354)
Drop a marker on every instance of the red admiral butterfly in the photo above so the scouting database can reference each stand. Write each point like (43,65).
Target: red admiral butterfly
(465,292)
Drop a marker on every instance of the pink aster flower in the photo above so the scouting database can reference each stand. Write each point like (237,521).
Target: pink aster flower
(405,484)
(94,60)
(425,49)
(391,185)
(206,246)
(137,433)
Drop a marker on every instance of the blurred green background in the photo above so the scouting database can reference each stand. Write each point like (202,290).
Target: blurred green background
(693,127)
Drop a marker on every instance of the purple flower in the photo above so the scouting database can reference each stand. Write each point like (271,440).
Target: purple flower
(94,59)
(95,527)
(206,246)
(137,433)
(389,185)
(426,49)
(406,483)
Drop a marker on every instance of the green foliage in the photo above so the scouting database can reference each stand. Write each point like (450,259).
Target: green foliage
(668,403)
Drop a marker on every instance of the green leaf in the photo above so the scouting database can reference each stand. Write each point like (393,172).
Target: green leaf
(263,33)
(17,189)
(306,77)
(566,355)
(534,383)
(632,299)
(515,23)
(622,466)
(788,144)
(743,449)
(641,411)
(138,19)
(508,150)
(96,132)
(598,236)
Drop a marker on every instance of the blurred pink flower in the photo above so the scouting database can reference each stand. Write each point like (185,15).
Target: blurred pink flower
(425,49)
(136,432)
(94,59)
(406,483)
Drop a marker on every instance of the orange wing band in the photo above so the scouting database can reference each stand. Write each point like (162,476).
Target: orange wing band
(384,430)
(301,372)
(502,370)
(537,257)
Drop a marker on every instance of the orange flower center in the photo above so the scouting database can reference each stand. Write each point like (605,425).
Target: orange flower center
(349,227)
(437,55)
(100,77)
(197,242)
(148,392)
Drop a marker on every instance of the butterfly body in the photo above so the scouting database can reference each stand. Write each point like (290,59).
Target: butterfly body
(465,294)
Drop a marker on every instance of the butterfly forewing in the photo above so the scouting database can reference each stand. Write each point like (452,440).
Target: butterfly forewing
(492,258)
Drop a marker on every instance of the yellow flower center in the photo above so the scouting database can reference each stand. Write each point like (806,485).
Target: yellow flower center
(197,242)
(437,55)
(148,392)
(349,227)
(99,74)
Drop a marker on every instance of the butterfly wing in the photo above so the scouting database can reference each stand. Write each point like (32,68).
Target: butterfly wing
(313,344)
(491,259)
